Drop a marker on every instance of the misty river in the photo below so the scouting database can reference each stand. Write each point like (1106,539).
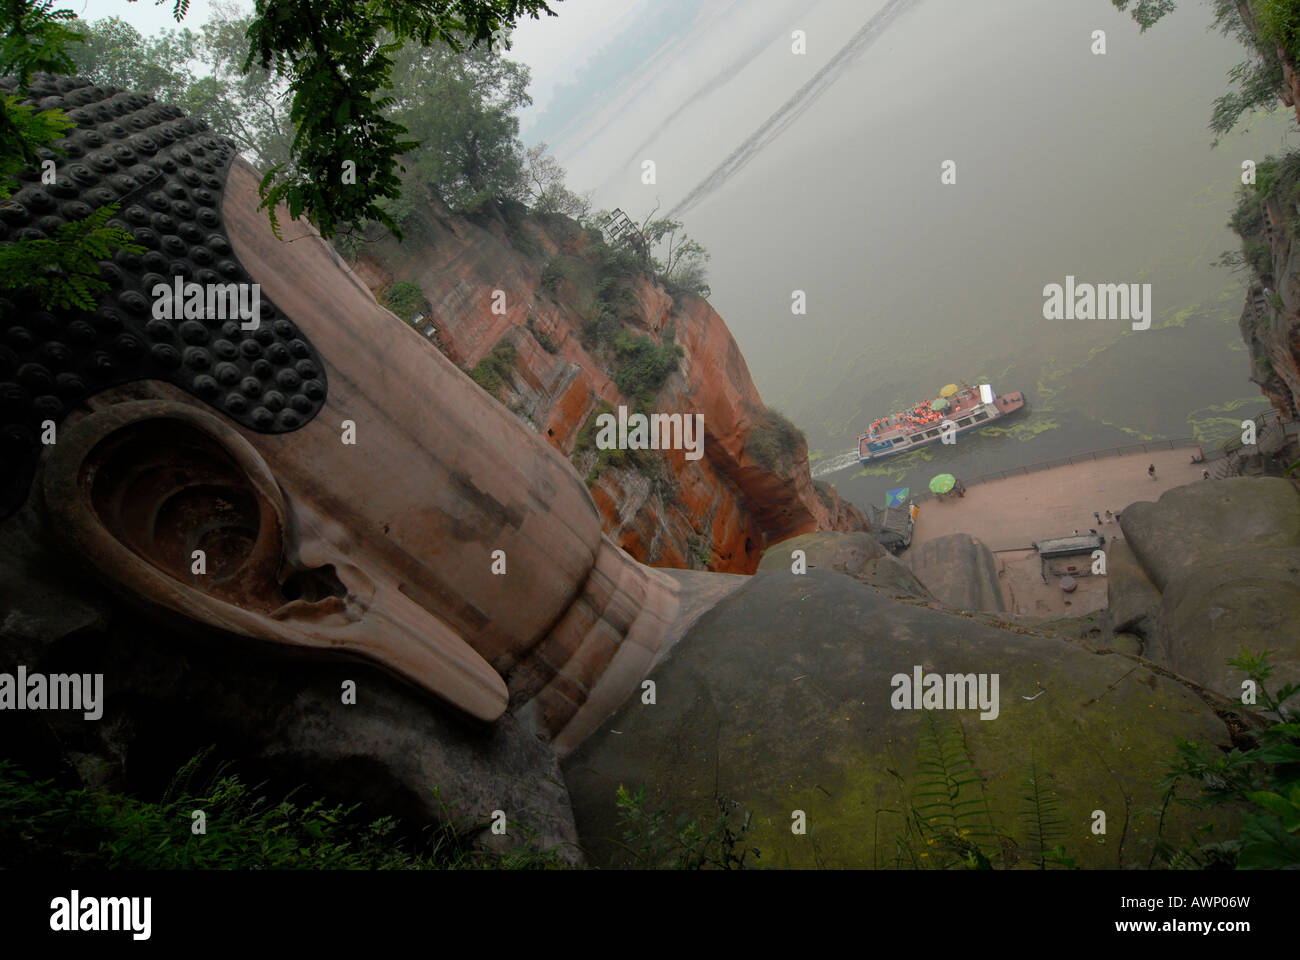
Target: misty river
(821,173)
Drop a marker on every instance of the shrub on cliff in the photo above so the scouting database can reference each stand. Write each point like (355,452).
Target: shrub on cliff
(615,265)
(494,369)
(773,440)
(645,462)
(1259,256)
(682,263)
(405,299)
(643,366)
(616,303)
(1276,179)
(543,339)
(600,327)
(1263,781)
(1279,21)
(555,272)
(545,190)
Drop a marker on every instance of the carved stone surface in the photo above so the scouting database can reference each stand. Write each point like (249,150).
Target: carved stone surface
(414,523)
(363,521)
(167,173)
(173,687)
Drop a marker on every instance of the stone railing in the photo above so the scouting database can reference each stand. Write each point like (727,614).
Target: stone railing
(1227,452)
(1146,447)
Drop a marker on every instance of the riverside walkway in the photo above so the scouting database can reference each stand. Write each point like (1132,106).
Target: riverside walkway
(1012,512)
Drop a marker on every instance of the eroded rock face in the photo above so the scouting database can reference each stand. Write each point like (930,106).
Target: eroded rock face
(779,699)
(720,511)
(1225,556)
(1272,335)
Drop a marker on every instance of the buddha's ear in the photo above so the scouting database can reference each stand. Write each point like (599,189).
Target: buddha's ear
(170,504)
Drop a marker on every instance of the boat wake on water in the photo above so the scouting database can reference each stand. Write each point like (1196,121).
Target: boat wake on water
(841,461)
(793,108)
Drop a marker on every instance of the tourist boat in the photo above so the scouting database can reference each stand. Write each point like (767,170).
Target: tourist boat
(966,407)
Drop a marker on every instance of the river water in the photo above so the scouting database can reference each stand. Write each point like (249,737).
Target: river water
(821,173)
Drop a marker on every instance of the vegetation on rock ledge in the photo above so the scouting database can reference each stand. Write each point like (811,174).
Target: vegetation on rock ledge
(405,299)
(494,370)
(773,440)
(44,825)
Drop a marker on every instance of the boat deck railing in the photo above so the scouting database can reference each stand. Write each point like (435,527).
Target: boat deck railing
(907,431)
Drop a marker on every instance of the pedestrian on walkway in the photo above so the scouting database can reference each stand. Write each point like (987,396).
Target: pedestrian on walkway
(1151,471)
(1109,516)
(1097,515)
(1205,474)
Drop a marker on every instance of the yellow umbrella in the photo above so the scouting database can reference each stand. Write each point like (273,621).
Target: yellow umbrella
(949,390)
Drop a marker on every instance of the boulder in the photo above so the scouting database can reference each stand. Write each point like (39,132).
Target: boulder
(780,698)
(959,570)
(1243,600)
(1193,525)
(1225,556)
(1132,598)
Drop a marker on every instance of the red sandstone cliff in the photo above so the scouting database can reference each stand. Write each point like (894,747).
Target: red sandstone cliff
(1270,323)
(719,512)
(1270,329)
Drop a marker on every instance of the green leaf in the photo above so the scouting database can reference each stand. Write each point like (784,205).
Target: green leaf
(1266,845)
(1287,810)
(1277,753)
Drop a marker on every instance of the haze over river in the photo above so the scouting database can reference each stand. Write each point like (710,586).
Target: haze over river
(1067,163)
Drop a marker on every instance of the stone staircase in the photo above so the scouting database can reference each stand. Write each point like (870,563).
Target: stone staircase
(1270,432)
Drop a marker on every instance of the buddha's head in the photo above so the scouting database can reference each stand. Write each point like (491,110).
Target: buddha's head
(297,465)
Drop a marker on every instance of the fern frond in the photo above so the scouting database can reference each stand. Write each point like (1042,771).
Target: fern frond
(1041,814)
(948,803)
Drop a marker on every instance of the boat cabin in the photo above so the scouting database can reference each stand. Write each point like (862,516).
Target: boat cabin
(966,410)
